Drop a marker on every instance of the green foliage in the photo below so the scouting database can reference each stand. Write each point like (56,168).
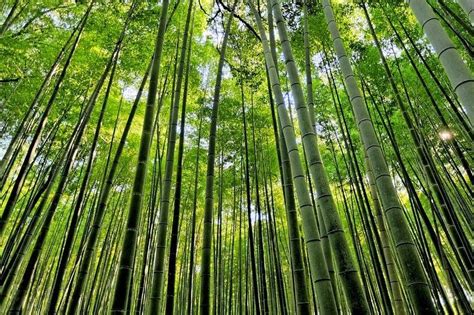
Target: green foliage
(32,37)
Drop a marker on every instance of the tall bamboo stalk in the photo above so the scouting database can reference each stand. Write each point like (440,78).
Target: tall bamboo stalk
(416,282)
(127,257)
(457,71)
(211,156)
(319,271)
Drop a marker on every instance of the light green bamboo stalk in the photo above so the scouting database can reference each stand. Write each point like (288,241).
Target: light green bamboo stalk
(318,267)
(297,265)
(333,226)
(205,296)
(468,7)
(416,283)
(160,253)
(458,73)
(397,298)
(312,116)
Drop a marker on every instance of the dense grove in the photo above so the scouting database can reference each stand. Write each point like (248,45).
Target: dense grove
(230,157)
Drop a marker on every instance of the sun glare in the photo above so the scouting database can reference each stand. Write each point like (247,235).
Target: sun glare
(446,135)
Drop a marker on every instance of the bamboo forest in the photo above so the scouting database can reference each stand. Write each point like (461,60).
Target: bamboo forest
(237,157)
